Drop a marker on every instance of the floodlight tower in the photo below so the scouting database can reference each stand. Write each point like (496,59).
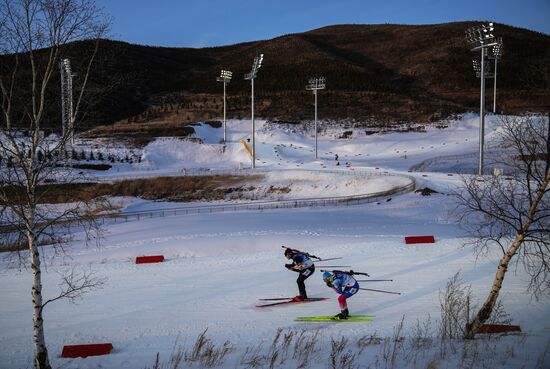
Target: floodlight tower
(487,70)
(496,53)
(225,77)
(481,38)
(315,84)
(67,99)
(252,76)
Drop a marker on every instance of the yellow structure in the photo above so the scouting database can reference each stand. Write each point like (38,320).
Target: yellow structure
(243,141)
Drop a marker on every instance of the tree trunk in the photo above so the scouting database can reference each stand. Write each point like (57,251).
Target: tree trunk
(485,312)
(41,360)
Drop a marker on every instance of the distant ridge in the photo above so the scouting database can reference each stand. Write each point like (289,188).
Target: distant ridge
(381,72)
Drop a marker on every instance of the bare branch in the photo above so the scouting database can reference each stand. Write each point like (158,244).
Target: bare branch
(75,284)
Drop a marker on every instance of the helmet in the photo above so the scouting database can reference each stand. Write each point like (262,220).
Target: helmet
(288,252)
(327,276)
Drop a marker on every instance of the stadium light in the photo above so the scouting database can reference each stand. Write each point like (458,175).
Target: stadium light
(495,53)
(481,38)
(252,76)
(477,69)
(225,77)
(315,84)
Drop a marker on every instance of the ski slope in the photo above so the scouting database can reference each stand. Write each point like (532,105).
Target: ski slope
(218,265)
(293,147)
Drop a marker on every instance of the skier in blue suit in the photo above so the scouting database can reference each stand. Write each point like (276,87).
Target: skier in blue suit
(346,286)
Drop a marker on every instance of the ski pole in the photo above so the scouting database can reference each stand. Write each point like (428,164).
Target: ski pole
(374,280)
(332,266)
(327,259)
(369,289)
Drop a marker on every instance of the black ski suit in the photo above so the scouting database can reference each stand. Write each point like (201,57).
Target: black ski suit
(303,265)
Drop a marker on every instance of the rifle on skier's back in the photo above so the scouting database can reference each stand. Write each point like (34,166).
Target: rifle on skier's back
(308,254)
(350,272)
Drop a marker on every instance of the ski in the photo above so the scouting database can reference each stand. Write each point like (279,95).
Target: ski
(290,301)
(276,298)
(332,317)
(329,318)
(334,321)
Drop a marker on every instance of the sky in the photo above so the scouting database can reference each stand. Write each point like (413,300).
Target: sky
(204,23)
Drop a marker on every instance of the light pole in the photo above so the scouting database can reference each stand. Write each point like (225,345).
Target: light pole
(315,84)
(487,72)
(496,53)
(252,76)
(225,77)
(480,38)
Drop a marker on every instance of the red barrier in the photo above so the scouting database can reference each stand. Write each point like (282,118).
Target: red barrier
(149,259)
(419,239)
(87,350)
(499,328)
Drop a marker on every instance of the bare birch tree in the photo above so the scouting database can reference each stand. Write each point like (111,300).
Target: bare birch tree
(34,35)
(512,212)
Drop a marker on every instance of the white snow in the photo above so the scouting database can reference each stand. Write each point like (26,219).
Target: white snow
(218,264)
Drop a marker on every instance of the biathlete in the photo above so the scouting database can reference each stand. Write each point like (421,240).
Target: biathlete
(346,286)
(303,265)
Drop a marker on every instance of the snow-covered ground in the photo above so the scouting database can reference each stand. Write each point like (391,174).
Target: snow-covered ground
(292,147)
(218,265)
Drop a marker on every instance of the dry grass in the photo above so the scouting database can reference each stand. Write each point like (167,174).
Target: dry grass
(421,349)
(183,189)
(139,134)
(206,353)
(187,188)
(455,308)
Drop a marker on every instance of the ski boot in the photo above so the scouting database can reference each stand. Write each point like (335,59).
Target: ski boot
(342,315)
(299,298)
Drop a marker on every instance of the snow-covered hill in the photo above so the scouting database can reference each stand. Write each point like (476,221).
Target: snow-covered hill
(218,264)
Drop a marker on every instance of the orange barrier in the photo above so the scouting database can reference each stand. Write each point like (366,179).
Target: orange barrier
(87,350)
(419,239)
(149,259)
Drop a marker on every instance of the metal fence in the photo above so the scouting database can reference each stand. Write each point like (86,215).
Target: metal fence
(262,205)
